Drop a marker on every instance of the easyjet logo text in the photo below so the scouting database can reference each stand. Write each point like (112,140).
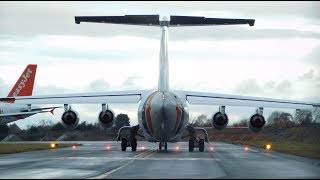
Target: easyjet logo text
(22,82)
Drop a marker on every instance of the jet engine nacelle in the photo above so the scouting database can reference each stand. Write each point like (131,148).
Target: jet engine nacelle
(70,119)
(106,118)
(256,122)
(219,120)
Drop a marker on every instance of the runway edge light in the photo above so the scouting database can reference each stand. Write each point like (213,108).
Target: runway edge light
(267,146)
(53,145)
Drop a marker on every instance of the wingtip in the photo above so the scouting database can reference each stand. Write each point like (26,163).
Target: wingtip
(51,111)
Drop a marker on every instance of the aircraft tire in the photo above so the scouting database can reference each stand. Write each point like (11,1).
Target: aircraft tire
(123,144)
(191,145)
(201,145)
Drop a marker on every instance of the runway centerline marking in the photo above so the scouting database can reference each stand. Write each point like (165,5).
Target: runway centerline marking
(104,175)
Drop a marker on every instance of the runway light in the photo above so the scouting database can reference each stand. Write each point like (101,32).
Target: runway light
(73,146)
(53,145)
(142,147)
(267,146)
(246,148)
(211,148)
(177,147)
(108,147)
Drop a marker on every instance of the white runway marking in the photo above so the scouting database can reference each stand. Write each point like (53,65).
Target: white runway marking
(138,156)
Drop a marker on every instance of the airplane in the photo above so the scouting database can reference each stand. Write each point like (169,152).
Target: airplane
(10,112)
(163,113)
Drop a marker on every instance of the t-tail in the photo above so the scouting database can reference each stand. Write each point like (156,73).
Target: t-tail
(153,20)
(24,85)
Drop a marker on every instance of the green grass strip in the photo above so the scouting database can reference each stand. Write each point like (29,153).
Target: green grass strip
(295,148)
(16,148)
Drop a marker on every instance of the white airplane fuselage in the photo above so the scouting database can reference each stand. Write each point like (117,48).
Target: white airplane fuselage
(163,116)
(6,108)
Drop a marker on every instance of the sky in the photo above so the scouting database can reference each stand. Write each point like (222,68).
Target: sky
(278,57)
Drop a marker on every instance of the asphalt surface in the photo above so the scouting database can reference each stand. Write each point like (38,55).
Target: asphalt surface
(93,160)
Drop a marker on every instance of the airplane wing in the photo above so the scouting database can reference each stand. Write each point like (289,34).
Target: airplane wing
(81,98)
(203,98)
(22,113)
(40,109)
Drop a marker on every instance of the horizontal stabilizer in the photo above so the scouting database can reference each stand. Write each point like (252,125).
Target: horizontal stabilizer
(153,20)
(202,21)
(144,20)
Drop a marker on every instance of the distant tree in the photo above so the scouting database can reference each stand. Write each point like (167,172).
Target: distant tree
(122,120)
(316,115)
(35,132)
(46,123)
(58,127)
(4,131)
(242,122)
(280,119)
(82,126)
(303,117)
(200,120)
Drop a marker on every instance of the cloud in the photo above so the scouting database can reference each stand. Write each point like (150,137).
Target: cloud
(307,76)
(98,85)
(50,18)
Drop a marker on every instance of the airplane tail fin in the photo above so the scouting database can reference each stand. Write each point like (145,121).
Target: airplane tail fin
(24,85)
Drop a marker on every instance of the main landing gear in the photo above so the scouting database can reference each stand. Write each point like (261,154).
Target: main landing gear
(163,144)
(131,141)
(128,143)
(194,141)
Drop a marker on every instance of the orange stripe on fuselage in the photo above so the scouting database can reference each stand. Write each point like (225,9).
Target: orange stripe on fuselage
(148,112)
(179,112)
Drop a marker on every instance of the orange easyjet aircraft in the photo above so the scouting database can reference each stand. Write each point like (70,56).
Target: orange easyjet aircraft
(24,86)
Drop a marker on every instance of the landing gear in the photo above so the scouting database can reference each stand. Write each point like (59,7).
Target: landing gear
(201,145)
(164,144)
(123,144)
(195,141)
(134,144)
(191,145)
(128,134)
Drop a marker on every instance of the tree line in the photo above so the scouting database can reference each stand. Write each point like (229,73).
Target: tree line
(45,127)
(301,118)
(277,119)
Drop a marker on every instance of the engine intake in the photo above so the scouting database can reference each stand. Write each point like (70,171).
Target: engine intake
(106,118)
(70,119)
(256,122)
(219,120)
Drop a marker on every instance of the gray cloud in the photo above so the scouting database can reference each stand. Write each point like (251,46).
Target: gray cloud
(4,89)
(314,57)
(307,76)
(269,89)
(98,85)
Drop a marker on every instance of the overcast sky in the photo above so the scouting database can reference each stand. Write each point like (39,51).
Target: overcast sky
(279,57)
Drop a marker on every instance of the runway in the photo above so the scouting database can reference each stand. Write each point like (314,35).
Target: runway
(93,160)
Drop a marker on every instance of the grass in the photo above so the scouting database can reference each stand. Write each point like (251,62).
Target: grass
(9,148)
(295,148)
